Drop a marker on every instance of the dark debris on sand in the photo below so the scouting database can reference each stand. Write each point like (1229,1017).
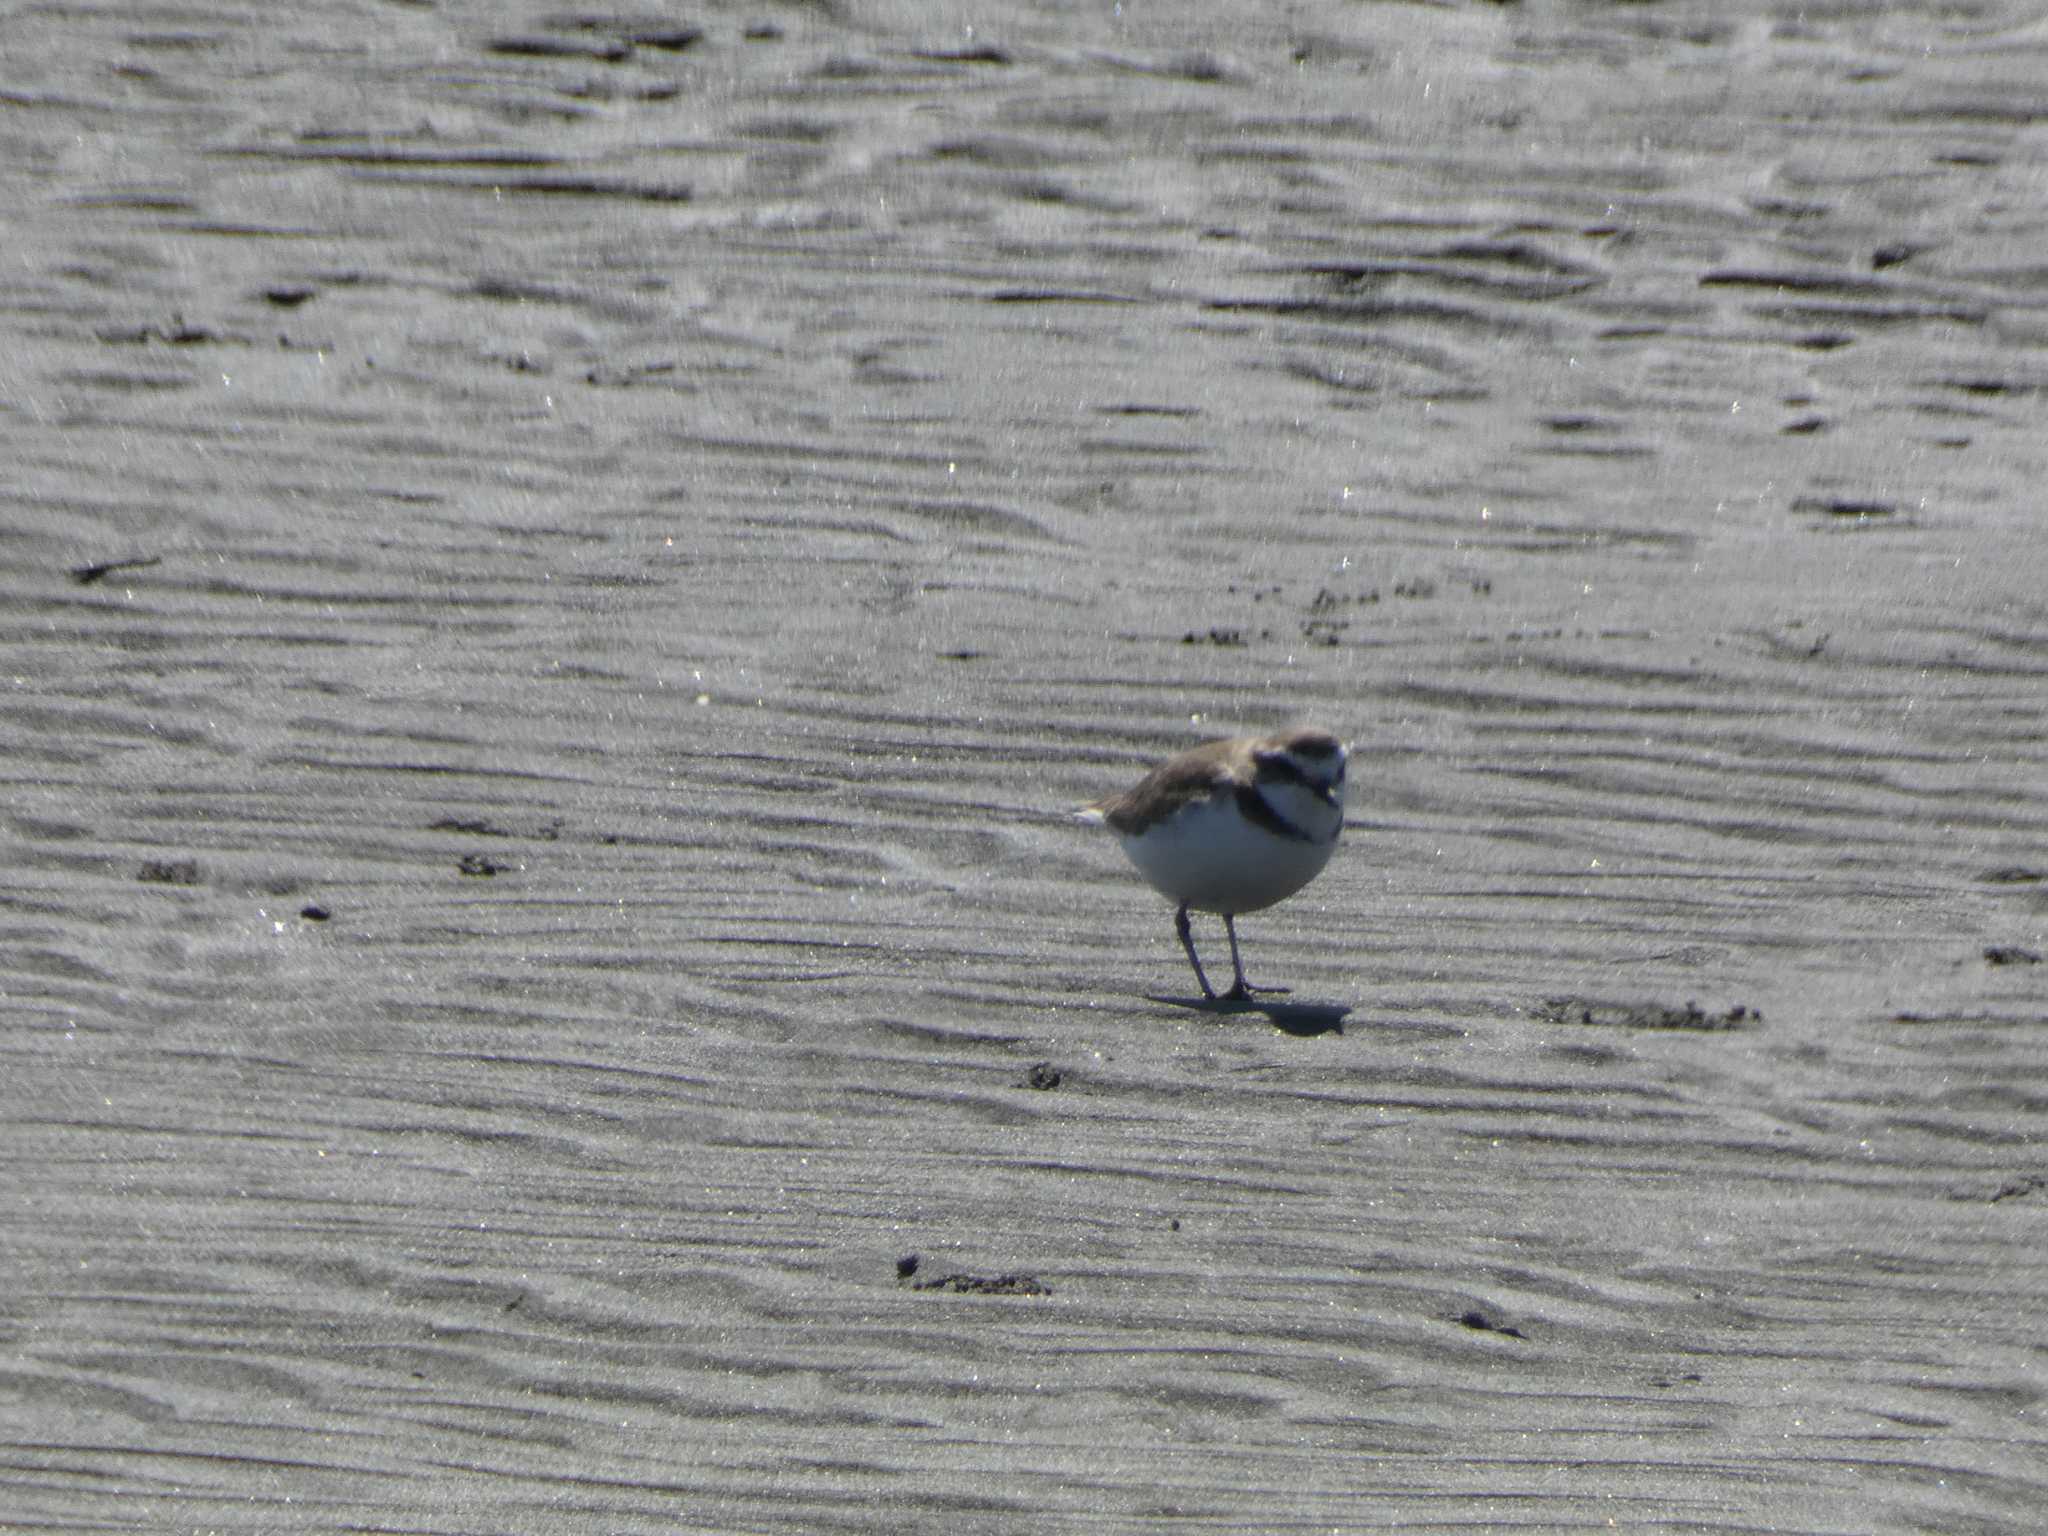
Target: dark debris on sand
(1613,1015)
(971,1285)
(987,1285)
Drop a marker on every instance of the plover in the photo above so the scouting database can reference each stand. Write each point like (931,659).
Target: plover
(1232,826)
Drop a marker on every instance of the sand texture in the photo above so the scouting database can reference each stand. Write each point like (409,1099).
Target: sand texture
(561,571)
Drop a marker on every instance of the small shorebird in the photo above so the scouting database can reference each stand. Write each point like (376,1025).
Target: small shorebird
(1232,826)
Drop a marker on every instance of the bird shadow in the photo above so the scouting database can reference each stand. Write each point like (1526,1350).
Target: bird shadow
(1305,1020)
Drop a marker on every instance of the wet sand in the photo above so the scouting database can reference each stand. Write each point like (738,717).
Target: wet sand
(561,572)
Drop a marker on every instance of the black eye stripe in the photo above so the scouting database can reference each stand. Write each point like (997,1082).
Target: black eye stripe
(1278,765)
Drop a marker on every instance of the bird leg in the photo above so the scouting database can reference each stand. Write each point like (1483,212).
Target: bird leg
(1242,990)
(1187,942)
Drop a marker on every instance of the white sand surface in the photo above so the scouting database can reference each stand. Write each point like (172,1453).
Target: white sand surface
(560,571)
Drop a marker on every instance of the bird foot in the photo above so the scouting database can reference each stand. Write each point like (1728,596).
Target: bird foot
(1244,992)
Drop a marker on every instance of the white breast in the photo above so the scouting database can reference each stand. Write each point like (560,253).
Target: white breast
(1213,859)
